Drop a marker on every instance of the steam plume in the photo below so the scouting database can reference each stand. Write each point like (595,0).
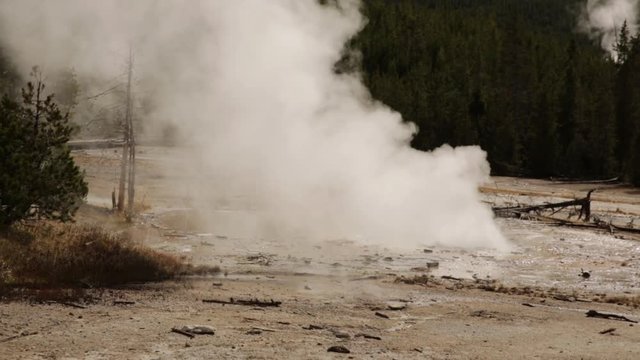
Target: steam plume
(250,85)
(603,19)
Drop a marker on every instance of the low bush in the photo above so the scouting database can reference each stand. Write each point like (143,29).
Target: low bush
(71,255)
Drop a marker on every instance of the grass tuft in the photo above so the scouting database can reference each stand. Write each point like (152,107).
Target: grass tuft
(71,255)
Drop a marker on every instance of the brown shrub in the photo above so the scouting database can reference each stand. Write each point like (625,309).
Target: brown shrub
(55,254)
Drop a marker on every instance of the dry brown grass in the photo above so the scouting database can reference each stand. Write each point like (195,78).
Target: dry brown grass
(624,300)
(418,280)
(71,255)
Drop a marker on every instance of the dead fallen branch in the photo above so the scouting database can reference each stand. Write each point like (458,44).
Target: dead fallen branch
(519,211)
(70,304)
(192,330)
(263,329)
(600,225)
(607,331)
(339,349)
(22,334)
(536,212)
(123,302)
(449,277)
(245,302)
(615,180)
(182,332)
(379,314)
(596,314)
(313,327)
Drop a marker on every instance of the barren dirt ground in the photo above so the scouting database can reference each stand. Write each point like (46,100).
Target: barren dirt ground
(528,303)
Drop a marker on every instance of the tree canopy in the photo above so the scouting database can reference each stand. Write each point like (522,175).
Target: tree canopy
(512,76)
(38,177)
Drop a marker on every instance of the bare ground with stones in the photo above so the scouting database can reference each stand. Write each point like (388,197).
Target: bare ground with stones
(528,303)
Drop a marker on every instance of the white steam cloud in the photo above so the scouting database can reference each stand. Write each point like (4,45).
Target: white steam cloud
(603,19)
(250,85)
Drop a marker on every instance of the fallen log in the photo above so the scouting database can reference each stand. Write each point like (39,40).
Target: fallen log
(518,211)
(611,228)
(615,180)
(535,212)
(249,302)
(625,229)
(596,314)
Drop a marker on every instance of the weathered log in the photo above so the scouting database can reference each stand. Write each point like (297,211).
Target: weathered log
(250,302)
(584,203)
(596,314)
(614,180)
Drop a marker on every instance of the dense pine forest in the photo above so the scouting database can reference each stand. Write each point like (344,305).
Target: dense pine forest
(514,76)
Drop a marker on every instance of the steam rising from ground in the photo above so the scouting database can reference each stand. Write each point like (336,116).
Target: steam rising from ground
(250,84)
(603,19)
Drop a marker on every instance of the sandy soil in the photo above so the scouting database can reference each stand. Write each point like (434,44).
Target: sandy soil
(528,303)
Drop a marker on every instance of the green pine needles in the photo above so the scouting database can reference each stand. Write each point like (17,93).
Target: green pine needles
(38,177)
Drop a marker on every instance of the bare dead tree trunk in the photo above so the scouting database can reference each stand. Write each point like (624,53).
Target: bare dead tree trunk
(132,143)
(123,168)
(127,167)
